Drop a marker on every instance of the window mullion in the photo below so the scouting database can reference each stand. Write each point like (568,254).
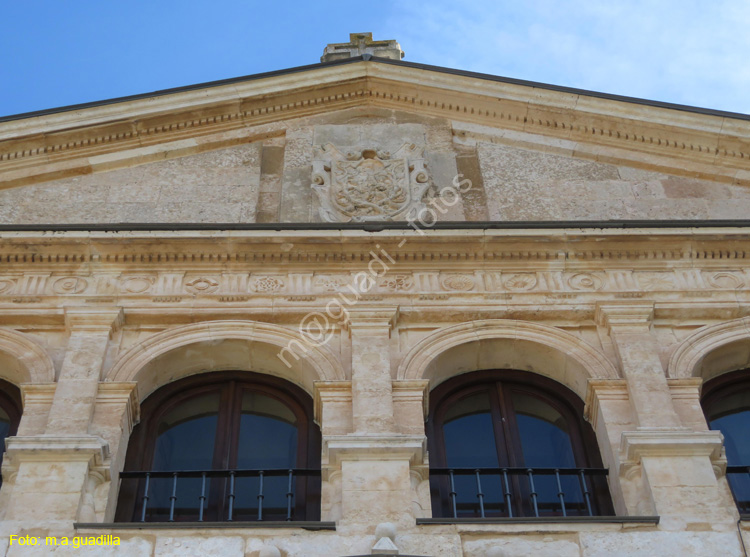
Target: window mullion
(503,434)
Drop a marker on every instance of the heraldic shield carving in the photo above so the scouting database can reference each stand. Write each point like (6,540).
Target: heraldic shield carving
(369,184)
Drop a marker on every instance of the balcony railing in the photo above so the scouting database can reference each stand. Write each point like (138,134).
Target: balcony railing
(520,492)
(229,494)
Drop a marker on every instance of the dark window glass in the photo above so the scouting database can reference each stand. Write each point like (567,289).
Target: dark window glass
(265,422)
(726,403)
(10,414)
(486,429)
(221,422)
(469,434)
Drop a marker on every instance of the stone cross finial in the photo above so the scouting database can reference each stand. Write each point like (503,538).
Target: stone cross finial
(361,44)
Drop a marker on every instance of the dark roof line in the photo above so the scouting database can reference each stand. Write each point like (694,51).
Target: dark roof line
(367,57)
(378,226)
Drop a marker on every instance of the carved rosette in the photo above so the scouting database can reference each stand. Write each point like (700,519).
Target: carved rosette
(520,281)
(268,284)
(458,282)
(369,184)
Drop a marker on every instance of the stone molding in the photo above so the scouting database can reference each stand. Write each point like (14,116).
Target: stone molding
(128,366)
(572,250)
(38,393)
(372,318)
(635,317)
(84,141)
(415,363)
(338,448)
(44,448)
(414,390)
(330,391)
(687,358)
(94,320)
(33,358)
(688,388)
(602,389)
(121,394)
(669,442)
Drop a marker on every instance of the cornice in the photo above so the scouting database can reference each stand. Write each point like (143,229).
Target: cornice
(134,132)
(279,250)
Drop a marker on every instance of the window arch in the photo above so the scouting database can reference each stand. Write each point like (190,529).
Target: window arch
(511,443)
(10,414)
(223,446)
(726,404)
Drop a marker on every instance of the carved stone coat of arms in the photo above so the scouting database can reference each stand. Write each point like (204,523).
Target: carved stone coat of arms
(369,184)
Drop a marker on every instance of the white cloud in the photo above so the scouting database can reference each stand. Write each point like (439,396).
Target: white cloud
(685,52)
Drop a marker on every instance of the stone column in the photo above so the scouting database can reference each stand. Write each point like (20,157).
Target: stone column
(372,392)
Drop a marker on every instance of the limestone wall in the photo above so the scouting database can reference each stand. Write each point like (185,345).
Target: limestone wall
(91,324)
(272,180)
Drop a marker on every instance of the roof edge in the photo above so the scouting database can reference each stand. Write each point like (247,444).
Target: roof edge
(381,226)
(369,58)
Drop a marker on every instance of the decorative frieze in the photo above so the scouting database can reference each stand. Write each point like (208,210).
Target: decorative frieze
(172,286)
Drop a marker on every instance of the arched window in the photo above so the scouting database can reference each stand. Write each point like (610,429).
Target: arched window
(223,446)
(10,414)
(726,403)
(513,444)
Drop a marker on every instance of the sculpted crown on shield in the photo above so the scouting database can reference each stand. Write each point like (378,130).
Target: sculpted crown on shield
(369,184)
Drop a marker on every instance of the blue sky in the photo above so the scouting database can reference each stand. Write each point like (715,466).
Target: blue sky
(56,53)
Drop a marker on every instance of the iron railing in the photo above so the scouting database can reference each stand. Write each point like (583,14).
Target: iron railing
(530,491)
(229,492)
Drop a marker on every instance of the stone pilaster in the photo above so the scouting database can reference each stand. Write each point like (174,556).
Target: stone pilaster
(372,392)
(56,471)
(373,478)
(665,467)
(609,411)
(50,477)
(629,326)
(78,384)
(410,406)
(679,469)
(333,407)
(116,411)
(37,401)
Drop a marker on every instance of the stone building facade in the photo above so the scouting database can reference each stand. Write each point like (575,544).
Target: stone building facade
(370,237)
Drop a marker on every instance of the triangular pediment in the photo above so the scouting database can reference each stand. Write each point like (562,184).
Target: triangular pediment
(92,137)
(250,151)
